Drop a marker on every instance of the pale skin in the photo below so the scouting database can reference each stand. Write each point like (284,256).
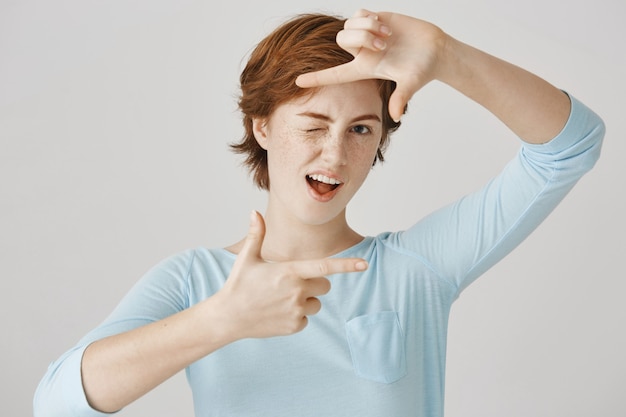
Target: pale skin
(276,281)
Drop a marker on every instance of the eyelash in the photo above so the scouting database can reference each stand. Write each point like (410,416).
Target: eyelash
(359,130)
(354,129)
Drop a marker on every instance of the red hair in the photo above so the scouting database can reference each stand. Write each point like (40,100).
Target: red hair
(303,44)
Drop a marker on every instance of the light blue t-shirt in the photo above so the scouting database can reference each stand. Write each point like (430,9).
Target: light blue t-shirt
(377,347)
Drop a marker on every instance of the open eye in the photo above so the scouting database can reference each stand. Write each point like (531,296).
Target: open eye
(361,130)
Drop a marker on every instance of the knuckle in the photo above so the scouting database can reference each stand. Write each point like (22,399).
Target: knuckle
(298,312)
(298,294)
(325,286)
(316,305)
(304,321)
(294,326)
(289,270)
(323,268)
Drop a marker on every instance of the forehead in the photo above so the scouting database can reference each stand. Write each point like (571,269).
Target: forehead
(347,98)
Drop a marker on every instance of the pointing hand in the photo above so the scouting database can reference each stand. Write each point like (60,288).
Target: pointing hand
(267,299)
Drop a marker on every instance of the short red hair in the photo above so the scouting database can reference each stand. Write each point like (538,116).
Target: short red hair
(303,44)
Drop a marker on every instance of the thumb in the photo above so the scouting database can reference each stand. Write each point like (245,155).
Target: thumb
(401,96)
(397,104)
(254,239)
(405,89)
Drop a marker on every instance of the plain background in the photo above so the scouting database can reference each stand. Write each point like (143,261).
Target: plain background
(114,121)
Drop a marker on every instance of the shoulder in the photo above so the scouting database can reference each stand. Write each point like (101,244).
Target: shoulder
(191,264)
(187,276)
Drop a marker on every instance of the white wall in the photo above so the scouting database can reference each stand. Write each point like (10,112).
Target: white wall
(114,120)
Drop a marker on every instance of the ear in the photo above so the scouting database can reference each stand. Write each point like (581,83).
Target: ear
(259,129)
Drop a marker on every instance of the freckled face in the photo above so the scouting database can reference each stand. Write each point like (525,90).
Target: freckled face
(320,149)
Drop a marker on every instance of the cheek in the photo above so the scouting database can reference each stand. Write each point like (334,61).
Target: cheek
(365,155)
(284,153)
(360,169)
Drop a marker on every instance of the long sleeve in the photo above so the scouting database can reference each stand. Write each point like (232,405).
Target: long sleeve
(463,240)
(456,243)
(162,291)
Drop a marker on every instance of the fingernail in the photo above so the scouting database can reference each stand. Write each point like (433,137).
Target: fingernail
(386,30)
(361,265)
(380,44)
(253,218)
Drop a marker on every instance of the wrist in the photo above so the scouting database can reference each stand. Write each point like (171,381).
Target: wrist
(219,321)
(450,60)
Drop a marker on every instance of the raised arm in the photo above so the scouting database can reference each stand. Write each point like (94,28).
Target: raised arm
(413,52)
(464,239)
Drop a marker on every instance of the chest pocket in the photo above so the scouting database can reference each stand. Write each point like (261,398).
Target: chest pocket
(377,346)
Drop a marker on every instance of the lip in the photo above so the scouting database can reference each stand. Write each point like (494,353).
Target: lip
(326,197)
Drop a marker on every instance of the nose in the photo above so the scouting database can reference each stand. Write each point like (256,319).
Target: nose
(334,150)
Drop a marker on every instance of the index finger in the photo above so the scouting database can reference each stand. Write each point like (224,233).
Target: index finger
(365,13)
(343,73)
(327,266)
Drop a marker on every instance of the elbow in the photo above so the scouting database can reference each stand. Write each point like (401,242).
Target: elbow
(596,139)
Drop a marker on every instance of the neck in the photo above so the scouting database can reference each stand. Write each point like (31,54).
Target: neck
(291,239)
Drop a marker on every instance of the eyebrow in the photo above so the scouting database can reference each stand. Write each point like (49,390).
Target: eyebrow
(326,118)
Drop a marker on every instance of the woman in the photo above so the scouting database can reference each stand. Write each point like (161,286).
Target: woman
(305,316)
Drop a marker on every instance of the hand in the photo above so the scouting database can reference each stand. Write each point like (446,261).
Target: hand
(386,46)
(265,299)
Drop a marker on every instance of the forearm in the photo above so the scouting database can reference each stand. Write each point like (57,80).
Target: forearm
(119,369)
(532,108)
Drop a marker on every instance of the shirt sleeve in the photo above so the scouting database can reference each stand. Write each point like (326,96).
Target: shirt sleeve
(161,292)
(463,240)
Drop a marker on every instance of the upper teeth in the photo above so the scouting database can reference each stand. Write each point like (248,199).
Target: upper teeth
(324,179)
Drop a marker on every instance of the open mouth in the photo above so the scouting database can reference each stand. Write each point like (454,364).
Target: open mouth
(322,184)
